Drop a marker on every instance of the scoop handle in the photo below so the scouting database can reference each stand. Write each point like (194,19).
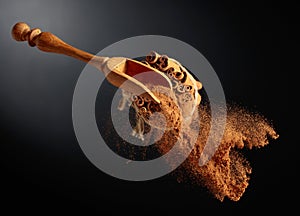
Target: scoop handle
(48,42)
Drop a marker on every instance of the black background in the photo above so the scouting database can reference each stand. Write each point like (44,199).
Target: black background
(251,47)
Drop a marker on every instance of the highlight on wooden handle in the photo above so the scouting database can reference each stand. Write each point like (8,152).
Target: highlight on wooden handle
(20,31)
(48,42)
(114,69)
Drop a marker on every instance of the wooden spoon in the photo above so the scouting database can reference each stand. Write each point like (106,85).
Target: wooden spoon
(117,70)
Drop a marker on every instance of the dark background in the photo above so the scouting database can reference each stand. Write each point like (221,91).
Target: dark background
(42,166)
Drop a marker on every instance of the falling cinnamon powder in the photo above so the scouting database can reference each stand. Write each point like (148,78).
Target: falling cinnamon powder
(227,173)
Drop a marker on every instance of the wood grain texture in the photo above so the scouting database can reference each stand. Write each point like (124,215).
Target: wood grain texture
(115,69)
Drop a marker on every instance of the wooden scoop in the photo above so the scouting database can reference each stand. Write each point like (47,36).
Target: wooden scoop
(117,70)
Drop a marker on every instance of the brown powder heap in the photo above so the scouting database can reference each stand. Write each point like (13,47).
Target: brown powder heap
(227,173)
